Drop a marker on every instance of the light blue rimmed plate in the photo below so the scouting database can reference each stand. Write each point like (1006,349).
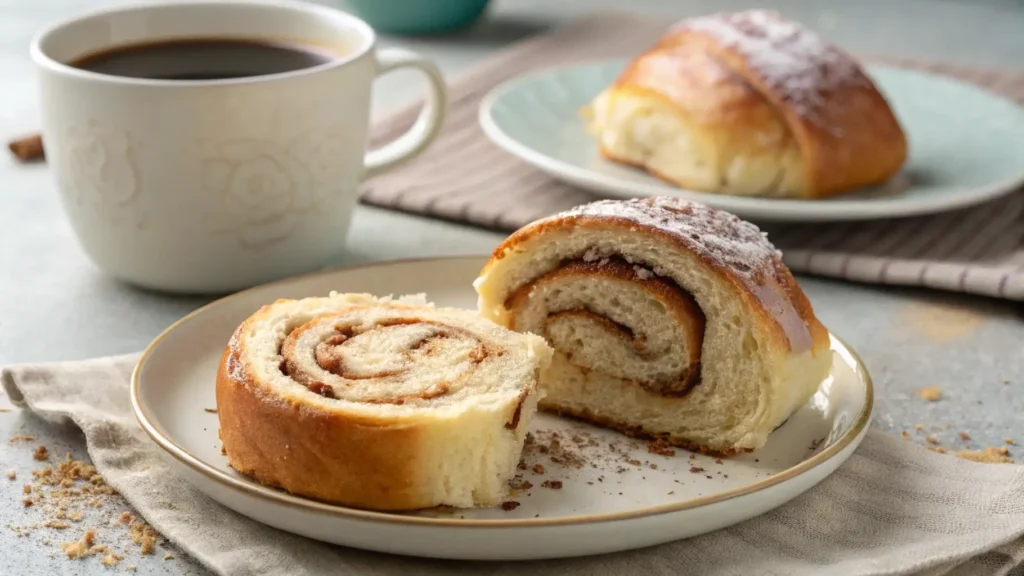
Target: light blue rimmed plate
(966,145)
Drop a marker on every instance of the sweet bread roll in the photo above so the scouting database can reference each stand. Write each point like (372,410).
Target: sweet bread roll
(749,104)
(380,404)
(669,319)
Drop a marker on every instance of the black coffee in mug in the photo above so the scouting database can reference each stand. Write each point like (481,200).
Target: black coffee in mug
(203,59)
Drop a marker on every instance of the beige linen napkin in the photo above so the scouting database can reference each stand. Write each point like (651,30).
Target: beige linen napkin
(893,508)
(464,178)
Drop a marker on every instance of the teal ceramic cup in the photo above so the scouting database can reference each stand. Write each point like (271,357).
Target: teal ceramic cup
(418,16)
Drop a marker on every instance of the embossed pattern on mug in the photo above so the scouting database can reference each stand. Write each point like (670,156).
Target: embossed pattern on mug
(97,171)
(266,188)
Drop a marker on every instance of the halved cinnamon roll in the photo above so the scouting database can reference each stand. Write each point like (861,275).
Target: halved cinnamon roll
(378,403)
(668,318)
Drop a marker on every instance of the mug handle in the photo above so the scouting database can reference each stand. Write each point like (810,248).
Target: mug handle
(428,123)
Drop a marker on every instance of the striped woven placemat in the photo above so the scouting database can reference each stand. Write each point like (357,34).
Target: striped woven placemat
(464,178)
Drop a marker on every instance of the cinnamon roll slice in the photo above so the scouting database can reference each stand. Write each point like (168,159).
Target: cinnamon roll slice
(378,403)
(668,318)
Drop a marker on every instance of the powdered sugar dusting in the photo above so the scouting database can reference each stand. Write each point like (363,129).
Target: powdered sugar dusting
(792,60)
(716,236)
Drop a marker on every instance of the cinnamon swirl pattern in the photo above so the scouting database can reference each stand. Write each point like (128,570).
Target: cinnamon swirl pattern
(378,403)
(668,318)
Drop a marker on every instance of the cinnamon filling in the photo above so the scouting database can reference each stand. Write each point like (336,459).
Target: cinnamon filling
(345,344)
(568,321)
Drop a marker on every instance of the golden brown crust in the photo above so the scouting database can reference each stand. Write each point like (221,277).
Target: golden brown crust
(737,75)
(285,444)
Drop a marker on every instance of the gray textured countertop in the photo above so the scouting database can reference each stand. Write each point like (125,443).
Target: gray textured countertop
(54,305)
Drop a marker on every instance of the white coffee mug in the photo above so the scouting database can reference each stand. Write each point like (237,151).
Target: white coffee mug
(214,185)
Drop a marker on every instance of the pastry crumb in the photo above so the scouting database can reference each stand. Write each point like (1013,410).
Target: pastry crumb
(965,436)
(695,470)
(930,393)
(168,556)
(144,535)
(661,448)
(27,489)
(553,484)
(41,453)
(918,427)
(538,469)
(210,410)
(21,438)
(1008,441)
(507,506)
(12,475)
(989,455)
(932,439)
(27,502)
(111,558)
(905,434)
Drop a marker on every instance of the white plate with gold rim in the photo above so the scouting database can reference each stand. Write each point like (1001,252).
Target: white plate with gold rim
(607,505)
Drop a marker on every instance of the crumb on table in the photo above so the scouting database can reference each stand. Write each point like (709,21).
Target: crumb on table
(930,393)
(989,455)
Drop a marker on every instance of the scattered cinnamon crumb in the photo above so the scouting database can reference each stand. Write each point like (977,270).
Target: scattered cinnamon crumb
(918,427)
(210,410)
(125,518)
(27,502)
(81,548)
(27,148)
(989,455)
(661,448)
(718,460)
(930,393)
(12,475)
(27,489)
(932,439)
(553,484)
(111,558)
(21,438)
(538,469)
(695,470)
(905,434)
(40,453)
(1008,441)
(965,436)
(143,535)
(57,525)
(507,506)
